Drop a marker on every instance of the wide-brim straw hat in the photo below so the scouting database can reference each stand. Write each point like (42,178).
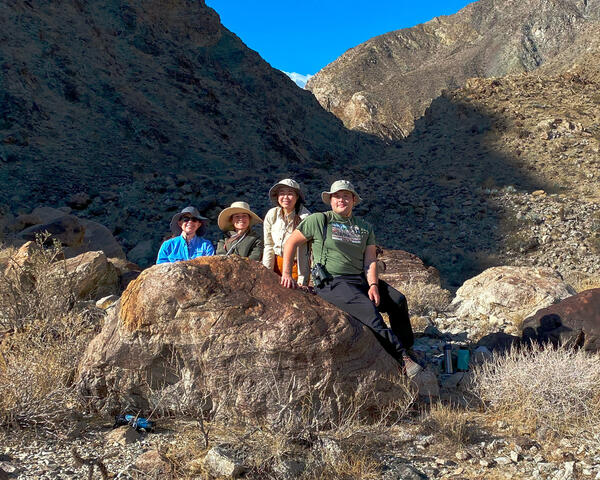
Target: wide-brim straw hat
(286,182)
(338,186)
(224,220)
(193,212)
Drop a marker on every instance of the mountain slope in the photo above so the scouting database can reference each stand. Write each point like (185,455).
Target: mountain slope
(381,86)
(147,107)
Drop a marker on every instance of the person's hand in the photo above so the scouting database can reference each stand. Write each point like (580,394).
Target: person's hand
(374,294)
(287,281)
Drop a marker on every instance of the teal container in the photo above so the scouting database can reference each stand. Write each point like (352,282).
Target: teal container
(462,360)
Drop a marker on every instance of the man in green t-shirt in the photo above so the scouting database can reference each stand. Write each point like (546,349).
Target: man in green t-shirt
(347,252)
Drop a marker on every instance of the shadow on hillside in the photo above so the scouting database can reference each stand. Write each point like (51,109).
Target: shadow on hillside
(441,184)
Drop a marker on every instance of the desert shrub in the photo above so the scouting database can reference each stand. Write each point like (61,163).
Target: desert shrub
(36,289)
(295,431)
(45,334)
(449,421)
(556,389)
(582,281)
(425,298)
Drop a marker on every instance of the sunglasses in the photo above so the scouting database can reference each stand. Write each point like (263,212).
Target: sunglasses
(189,219)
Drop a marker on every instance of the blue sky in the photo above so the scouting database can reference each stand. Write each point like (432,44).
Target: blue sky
(304,36)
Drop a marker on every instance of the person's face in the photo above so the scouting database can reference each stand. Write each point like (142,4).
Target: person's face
(342,202)
(287,198)
(189,224)
(241,221)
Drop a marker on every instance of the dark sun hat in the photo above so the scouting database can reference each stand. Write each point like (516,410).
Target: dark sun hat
(192,212)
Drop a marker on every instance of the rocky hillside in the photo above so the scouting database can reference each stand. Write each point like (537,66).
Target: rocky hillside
(383,85)
(125,119)
(146,107)
(502,171)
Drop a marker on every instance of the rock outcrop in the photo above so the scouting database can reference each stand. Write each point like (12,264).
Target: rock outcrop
(90,275)
(398,267)
(573,322)
(222,332)
(509,293)
(382,85)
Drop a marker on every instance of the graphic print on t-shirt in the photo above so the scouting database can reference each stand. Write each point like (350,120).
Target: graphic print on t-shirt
(345,233)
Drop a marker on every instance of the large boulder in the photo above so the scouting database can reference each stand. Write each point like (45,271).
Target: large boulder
(221,331)
(398,267)
(90,275)
(95,235)
(67,229)
(509,293)
(575,322)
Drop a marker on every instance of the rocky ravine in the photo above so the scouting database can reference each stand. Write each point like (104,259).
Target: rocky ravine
(458,192)
(384,84)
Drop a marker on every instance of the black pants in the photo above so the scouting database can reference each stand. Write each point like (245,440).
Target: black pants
(350,293)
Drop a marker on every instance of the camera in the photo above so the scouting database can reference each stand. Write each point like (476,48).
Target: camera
(320,276)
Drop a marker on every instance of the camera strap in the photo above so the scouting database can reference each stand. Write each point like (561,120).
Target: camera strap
(324,237)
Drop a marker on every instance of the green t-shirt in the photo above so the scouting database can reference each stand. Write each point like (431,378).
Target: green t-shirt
(347,239)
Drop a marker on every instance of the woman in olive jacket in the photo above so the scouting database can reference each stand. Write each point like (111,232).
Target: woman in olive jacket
(239,239)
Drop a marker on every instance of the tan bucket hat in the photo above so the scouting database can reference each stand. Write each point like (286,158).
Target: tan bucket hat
(286,182)
(224,220)
(336,187)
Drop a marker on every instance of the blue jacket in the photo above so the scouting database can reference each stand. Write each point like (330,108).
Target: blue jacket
(176,249)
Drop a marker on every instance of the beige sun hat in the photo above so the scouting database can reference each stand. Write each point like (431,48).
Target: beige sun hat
(224,220)
(336,187)
(286,182)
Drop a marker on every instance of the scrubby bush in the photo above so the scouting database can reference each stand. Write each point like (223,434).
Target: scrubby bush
(44,334)
(425,298)
(556,389)
(450,421)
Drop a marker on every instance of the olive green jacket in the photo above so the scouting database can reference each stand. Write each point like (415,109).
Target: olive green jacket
(250,246)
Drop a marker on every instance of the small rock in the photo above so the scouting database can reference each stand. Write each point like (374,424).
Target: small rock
(503,460)
(142,252)
(462,455)
(569,468)
(452,381)
(514,456)
(124,435)
(106,302)
(79,201)
(288,468)
(219,461)
(485,463)
(427,384)
(152,463)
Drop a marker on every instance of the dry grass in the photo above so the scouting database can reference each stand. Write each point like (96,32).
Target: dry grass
(34,290)
(582,281)
(554,389)
(425,298)
(449,421)
(45,335)
(296,432)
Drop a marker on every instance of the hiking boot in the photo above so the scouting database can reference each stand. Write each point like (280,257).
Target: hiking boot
(411,366)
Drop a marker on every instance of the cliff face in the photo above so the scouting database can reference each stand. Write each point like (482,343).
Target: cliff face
(381,86)
(147,107)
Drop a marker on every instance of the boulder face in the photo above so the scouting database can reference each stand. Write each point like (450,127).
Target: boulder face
(397,267)
(219,331)
(382,85)
(90,274)
(76,235)
(509,293)
(575,322)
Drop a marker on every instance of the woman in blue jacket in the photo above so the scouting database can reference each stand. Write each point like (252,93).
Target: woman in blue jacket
(187,226)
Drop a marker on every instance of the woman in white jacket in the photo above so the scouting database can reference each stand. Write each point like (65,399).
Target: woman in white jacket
(279,224)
